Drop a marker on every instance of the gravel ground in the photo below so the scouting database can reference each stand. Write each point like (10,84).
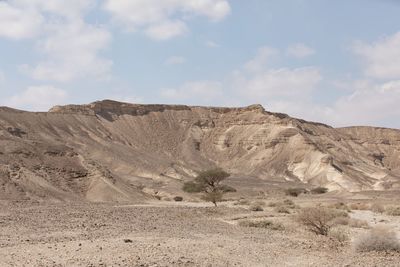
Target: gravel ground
(71,234)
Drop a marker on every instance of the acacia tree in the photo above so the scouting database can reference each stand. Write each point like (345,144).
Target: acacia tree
(209,182)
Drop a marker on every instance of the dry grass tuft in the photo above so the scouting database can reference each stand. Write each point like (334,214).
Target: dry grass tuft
(262,224)
(378,239)
(339,234)
(256,208)
(359,206)
(393,211)
(377,208)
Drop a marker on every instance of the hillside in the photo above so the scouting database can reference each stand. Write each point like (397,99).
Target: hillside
(112,151)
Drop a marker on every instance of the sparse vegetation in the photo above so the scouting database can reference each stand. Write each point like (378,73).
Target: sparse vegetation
(178,199)
(242,202)
(339,234)
(319,190)
(282,209)
(256,207)
(209,183)
(262,224)
(393,211)
(359,206)
(340,206)
(295,192)
(351,222)
(378,239)
(377,208)
(318,219)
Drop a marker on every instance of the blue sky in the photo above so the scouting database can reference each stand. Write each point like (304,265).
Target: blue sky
(336,62)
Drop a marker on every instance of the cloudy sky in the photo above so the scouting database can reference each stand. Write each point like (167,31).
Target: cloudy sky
(336,62)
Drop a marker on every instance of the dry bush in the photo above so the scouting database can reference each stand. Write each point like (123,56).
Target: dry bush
(259,203)
(287,203)
(377,208)
(378,239)
(256,208)
(340,206)
(393,211)
(339,234)
(356,223)
(282,209)
(319,190)
(178,199)
(340,221)
(295,192)
(318,219)
(359,206)
(262,224)
(242,202)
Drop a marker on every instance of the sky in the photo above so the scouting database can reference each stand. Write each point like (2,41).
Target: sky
(336,62)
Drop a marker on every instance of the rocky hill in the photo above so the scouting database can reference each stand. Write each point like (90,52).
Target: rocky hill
(112,151)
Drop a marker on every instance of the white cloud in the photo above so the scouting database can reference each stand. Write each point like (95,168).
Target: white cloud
(18,23)
(72,52)
(70,46)
(259,62)
(175,60)
(368,104)
(282,83)
(299,51)
(198,92)
(37,98)
(382,58)
(163,19)
(166,30)
(212,44)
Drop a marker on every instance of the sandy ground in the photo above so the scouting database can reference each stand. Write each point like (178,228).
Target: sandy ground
(164,234)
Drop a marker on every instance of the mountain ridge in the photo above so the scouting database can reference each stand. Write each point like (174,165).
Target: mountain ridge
(114,151)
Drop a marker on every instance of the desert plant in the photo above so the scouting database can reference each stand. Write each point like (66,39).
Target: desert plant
(262,224)
(282,209)
(377,208)
(256,208)
(339,234)
(378,239)
(356,223)
(393,211)
(359,206)
(209,182)
(295,192)
(192,187)
(317,219)
(178,199)
(319,190)
(242,202)
(340,206)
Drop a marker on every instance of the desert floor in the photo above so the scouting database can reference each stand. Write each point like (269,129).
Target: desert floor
(173,234)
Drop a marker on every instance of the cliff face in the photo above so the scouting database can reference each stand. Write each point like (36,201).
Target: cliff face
(111,151)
